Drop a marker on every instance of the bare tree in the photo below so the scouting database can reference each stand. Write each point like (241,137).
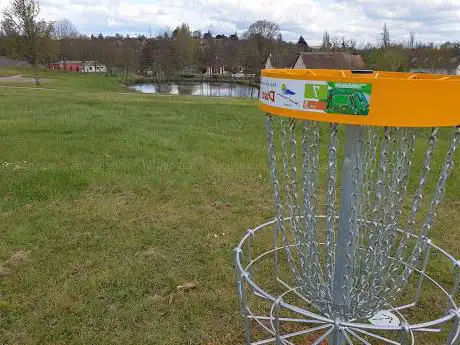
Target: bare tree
(20,20)
(125,55)
(412,40)
(385,36)
(263,29)
(64,29)
(197,34)
(261,36)
(326,44)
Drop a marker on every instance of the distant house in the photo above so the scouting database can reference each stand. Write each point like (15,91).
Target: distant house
(217,67)
(238,69)
(93,67)
(281,60)
(66,66)
(329,60)
(78,66)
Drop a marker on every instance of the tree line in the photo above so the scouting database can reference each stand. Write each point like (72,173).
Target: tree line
(24,35)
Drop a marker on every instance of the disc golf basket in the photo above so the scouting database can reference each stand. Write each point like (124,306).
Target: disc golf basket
(359,163)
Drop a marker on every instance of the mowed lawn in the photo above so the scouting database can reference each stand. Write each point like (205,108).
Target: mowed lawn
(109,202)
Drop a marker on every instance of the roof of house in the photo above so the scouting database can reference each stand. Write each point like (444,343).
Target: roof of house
(67,62)
(283,60)
(332,60)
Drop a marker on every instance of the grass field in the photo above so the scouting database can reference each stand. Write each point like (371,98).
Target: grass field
(115,200)
(62,81)
(109,202)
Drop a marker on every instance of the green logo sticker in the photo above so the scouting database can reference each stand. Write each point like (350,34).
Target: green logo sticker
(316,91)
(338,98)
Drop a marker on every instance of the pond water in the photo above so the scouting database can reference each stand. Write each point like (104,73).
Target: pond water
(199,89)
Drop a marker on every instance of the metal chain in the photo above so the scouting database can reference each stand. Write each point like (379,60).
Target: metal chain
(418,196)
(331,209)
(375,240)
(290,197)
(382,161)
(420,245)
(405,159)
(276,191)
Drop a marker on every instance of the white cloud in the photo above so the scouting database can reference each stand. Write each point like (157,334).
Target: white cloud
(362,20)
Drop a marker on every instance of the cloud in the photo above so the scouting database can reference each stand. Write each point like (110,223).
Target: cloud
(362,20)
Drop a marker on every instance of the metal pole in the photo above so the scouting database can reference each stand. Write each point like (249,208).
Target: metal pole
(343,256)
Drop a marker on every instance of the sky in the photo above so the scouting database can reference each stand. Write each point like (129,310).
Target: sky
(362,20)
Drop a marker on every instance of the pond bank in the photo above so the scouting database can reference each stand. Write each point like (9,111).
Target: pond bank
(239,81)
(196,88)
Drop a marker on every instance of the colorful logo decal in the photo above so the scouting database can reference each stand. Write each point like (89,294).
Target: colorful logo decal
(327,97)
(338,98)
(286,91)
(268,96)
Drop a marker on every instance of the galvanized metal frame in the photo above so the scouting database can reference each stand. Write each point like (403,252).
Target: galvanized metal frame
(365,264)
(351,332)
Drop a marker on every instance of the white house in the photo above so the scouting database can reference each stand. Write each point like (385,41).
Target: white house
(93,67)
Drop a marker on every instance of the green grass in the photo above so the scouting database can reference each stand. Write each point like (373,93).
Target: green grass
(117,199)
(110,201)
(65,81)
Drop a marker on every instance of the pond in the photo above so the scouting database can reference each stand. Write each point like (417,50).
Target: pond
(215,89)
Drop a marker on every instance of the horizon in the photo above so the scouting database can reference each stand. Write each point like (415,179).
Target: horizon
(434,21)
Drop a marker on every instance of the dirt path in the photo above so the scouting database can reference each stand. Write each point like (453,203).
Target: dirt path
(21,79)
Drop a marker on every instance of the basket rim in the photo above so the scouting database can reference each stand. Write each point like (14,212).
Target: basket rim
(396,99)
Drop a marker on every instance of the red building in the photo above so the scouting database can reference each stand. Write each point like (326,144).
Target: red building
(67,66)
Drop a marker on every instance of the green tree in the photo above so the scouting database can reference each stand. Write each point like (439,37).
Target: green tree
(186,48)
(302,44)
(32,35)
(394,58)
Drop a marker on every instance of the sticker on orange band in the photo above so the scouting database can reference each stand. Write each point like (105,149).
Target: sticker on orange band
(316,96)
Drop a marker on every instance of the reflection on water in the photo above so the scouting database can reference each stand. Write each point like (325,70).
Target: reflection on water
(199,89)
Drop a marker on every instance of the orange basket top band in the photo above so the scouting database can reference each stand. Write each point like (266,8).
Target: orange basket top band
(362,98)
